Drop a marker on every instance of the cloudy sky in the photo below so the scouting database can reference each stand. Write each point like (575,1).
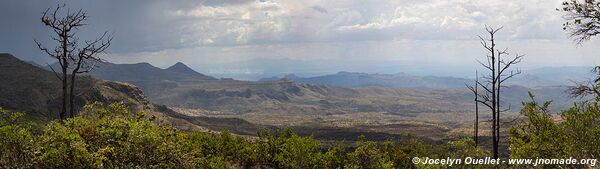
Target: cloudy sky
(357,35)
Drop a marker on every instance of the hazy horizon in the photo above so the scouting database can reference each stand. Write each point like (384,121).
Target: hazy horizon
(258,69)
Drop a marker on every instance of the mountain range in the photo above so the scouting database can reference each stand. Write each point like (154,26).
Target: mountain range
(549,76)
(345,103)
(181,86)
(353,80)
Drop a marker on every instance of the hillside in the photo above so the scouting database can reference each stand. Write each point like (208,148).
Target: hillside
(26,87)
(36,91)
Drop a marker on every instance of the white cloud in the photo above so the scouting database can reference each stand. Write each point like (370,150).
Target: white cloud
(412,30)
(259,22)
(199,31)
(523,19)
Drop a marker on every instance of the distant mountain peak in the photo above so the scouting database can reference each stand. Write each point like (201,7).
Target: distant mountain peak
(144,64)
(179,64)
(181,68)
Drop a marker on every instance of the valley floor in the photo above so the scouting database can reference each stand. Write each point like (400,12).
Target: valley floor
(380,125)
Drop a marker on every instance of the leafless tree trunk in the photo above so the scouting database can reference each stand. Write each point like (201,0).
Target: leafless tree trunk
(476,127)
(86,61)
(68,52)
(497,66)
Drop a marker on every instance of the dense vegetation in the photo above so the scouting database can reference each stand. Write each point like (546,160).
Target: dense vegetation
(574,134)
(110,136)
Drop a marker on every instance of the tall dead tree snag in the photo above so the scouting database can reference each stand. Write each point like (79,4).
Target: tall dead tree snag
(73,57)
(476,125)
(476,93)
(86,60)
(497,65)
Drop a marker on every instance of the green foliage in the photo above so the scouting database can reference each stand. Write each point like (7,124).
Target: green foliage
(463,148)
(582,130)
(9,118)
(17,144)
(286,149)
(336,156)
(109,136)
(217,150)
(540,135)
(368,155)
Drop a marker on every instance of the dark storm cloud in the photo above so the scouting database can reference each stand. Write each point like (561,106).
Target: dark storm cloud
(138,25)
(133,23)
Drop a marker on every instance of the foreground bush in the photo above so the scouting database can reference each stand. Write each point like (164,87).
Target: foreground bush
(109,136)
(17,144)
(575,134)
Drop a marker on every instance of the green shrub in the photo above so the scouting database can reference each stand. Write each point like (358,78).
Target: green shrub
(336,156)
(368,155)
(540,135)
(286,149)
(17,143)
(110,136)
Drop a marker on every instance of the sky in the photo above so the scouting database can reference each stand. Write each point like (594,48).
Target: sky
(250,39)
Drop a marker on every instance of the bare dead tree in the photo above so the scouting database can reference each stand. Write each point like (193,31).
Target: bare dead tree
(86,60)
(583,89)
(475,91)
(583,19)
(582,23)
(67,52)
(476,127)
(498,65)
